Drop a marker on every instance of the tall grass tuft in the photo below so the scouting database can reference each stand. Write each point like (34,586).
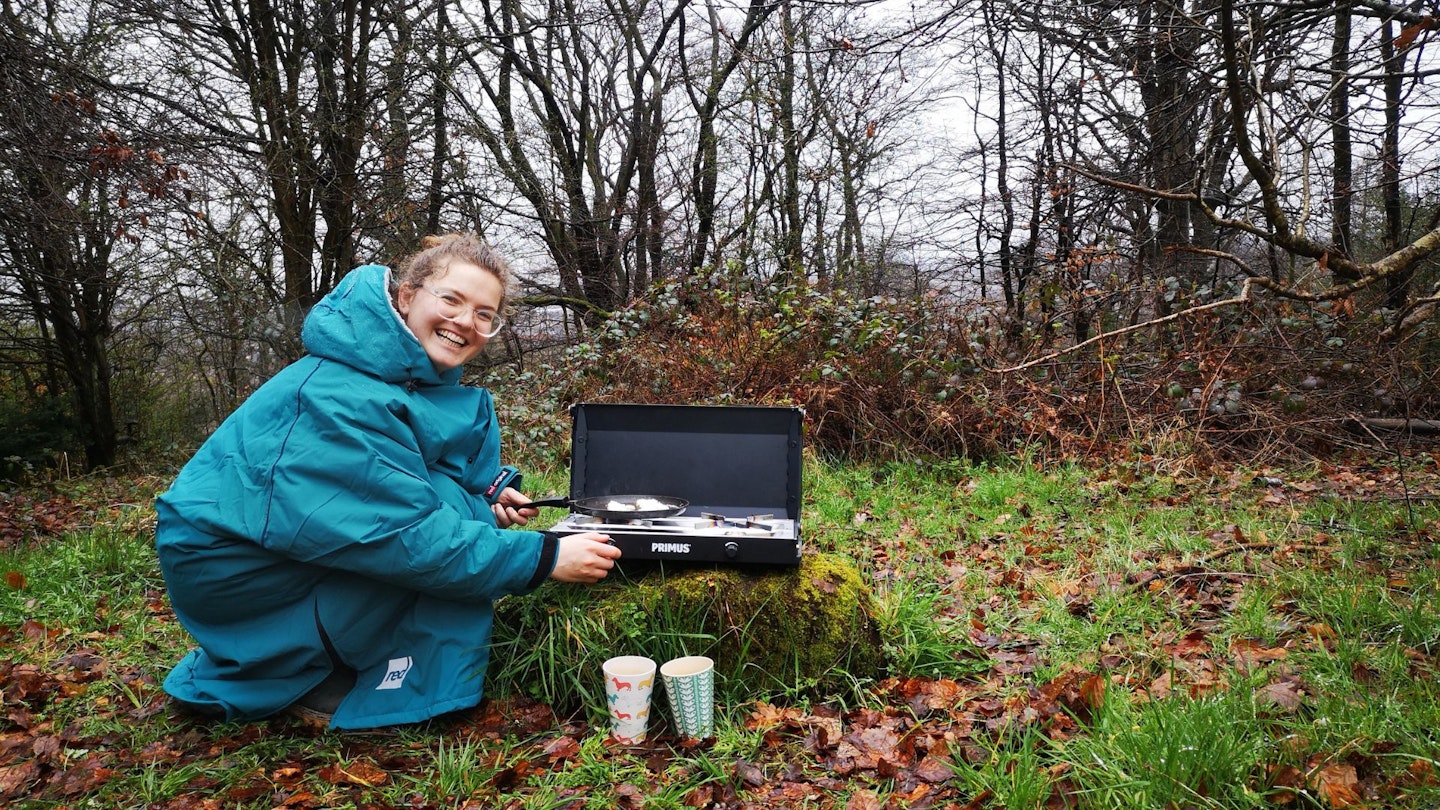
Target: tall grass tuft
(1208,752)
(918,638)
(1016,771)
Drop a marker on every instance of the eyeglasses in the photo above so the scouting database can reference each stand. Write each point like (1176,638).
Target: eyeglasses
(487,322)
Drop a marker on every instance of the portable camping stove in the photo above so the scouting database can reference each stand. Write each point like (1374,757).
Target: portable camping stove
(738,466)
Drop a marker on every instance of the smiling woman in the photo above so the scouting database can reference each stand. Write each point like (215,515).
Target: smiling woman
(336,546)
(455,323)
(467,285)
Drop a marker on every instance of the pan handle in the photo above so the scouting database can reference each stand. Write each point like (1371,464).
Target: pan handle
(554,500)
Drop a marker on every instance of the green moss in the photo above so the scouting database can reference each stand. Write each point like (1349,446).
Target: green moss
(788,628)
(807,629)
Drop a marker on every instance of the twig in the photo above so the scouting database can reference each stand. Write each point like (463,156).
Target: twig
(1206,559)
(1242,298)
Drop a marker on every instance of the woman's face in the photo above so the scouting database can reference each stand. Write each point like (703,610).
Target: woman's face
(451,341)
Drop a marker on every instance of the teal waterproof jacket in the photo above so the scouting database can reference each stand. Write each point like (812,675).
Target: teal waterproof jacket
(346,502)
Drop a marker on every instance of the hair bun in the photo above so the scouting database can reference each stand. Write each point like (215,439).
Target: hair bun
(437,251)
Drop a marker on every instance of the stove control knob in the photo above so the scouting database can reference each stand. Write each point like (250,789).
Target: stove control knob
(731,549)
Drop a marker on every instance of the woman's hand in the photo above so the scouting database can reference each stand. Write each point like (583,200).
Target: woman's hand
(510,509)
(584,557)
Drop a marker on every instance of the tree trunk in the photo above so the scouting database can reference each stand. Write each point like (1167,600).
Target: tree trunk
(440,153)
(1011,288)
(1343,169)
(705,171)
(792,227)
(1397,291)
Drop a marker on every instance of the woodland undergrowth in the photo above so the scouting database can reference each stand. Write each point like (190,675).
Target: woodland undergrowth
(882,378)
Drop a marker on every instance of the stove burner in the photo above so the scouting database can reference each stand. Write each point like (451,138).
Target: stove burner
(707,524)
(696,538)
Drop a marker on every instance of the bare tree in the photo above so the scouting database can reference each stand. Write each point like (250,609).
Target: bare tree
(566,101)
(1263,158)
(866,157)
(1279,119)
(1340,234)
(310,103)
(80,181)
(706,77)
(820,155)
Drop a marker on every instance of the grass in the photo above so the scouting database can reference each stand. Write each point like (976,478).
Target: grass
(1112,636)
(1177,752)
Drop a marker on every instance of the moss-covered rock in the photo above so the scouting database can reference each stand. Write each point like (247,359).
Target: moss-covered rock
(807,629)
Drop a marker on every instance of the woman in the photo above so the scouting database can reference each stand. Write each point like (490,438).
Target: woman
(337,544)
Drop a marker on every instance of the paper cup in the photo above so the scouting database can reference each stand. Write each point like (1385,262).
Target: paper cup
(629,682)
(690,689)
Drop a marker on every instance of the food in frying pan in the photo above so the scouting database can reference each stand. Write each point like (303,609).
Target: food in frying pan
(641,504)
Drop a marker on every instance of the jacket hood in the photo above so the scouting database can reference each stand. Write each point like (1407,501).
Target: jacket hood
(357,325)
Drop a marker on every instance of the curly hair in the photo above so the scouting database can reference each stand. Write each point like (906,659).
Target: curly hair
(437,252)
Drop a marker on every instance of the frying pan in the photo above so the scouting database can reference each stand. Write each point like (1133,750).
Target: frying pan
(602,506)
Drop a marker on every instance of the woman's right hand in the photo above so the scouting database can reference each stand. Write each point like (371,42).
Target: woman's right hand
(584,557)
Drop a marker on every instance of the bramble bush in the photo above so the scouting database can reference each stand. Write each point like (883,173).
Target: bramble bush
(885,378)
(877,377)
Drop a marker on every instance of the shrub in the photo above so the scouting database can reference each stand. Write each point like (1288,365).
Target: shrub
(31,432)
(881,378)
(877,377)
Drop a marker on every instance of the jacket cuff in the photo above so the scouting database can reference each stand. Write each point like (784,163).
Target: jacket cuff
(507,477)
(549,549)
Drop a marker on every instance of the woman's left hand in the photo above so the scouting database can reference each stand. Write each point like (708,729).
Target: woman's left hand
(510,509)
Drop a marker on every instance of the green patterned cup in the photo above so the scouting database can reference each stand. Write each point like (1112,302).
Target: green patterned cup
(690,689)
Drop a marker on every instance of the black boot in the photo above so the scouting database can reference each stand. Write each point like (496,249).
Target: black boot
(326,697)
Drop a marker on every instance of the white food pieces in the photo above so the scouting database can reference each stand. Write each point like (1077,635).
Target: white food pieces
(640,504)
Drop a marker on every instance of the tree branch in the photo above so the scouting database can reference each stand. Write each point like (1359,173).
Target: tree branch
(1243,298)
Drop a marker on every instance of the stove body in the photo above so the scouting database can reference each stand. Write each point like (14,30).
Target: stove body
(738,466)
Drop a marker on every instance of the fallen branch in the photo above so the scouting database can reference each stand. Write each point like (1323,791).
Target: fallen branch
(1425,426)
(1242,298)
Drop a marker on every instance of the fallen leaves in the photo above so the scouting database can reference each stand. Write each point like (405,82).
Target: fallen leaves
(1338,785)
(32,517)
(749,773)
(562,748)
(360,772)
(1286,695)
(905,748)
(15,780)
(1250,656)
(866,744)
(931,728)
